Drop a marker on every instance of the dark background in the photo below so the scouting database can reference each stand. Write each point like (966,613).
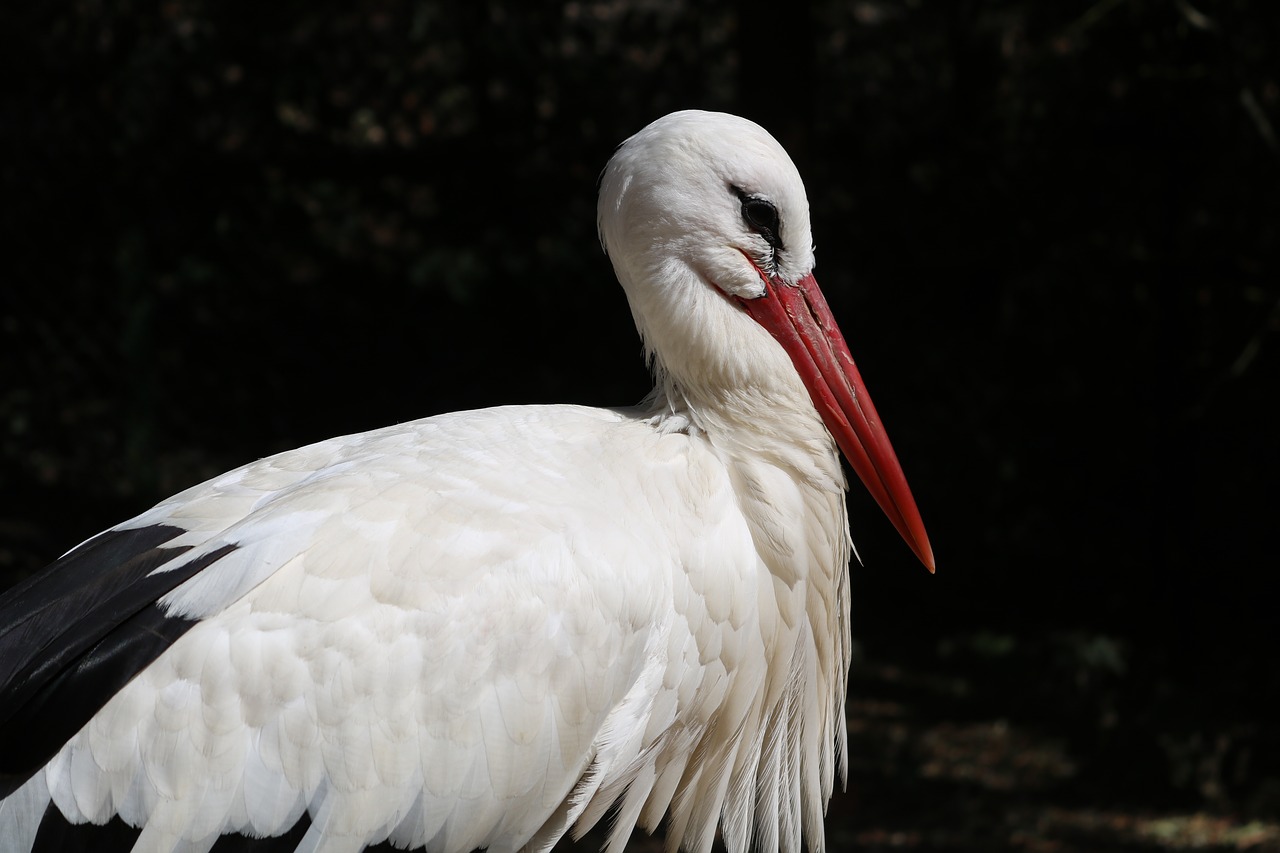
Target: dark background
(1051,232)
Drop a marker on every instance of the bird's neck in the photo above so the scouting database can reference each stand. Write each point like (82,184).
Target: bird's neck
(790,489)
(771,423)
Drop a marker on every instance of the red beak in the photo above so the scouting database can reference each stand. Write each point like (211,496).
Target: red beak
(798,317)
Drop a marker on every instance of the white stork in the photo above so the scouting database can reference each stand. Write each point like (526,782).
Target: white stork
(484,629)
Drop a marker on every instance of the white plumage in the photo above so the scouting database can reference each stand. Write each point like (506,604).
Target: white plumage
(483,628)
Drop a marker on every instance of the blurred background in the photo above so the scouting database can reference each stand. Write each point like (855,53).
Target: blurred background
(1051,233)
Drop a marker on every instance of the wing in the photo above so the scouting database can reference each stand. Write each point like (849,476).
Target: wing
(74,635)
(452,633)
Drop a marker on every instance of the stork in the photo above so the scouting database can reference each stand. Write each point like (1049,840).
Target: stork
(487,629)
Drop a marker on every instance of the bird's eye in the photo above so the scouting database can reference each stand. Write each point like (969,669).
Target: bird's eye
(762,216)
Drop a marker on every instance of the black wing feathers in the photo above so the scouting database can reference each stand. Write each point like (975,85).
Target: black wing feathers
(37,610)
(73,635)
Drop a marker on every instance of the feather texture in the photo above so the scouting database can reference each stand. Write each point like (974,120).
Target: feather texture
(453,655)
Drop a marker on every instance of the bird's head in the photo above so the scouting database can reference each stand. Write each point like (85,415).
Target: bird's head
(706,221)
(692,210)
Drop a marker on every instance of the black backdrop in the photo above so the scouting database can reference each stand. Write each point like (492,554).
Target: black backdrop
(1051,233)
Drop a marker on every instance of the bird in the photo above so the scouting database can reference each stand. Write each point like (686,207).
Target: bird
(494,628)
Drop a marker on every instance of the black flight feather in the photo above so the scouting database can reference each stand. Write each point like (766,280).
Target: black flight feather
(73,635)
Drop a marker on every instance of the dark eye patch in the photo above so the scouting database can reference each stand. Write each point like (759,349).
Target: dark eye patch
(761,215)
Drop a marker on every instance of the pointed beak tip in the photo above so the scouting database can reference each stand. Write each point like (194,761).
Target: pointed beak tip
(800,320)
(924,551)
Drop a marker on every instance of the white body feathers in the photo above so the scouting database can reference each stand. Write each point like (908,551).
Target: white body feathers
(416,645)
